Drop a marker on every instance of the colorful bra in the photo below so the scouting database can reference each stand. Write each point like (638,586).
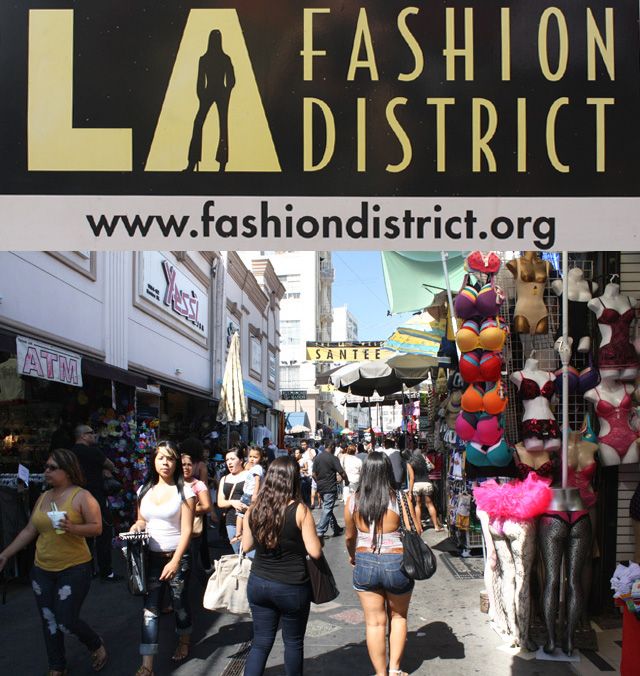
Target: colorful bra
(490,335)
(471,303)
(478,367)
(484,429)
(579,381)
(476,400)
(479,261)
(529,389)
(498,455)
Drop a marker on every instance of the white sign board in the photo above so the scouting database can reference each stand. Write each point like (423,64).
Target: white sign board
(40,360)
(169,289)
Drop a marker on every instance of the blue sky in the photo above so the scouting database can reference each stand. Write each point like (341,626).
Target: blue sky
(359,284)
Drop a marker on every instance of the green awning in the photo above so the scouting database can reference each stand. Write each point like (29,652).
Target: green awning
(405,272)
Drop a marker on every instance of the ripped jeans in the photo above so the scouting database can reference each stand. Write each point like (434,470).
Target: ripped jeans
(60,596)
(179,592)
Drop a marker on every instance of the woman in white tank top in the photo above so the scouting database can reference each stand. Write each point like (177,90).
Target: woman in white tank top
(165,510)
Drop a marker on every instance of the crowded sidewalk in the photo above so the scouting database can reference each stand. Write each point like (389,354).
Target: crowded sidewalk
(447,633)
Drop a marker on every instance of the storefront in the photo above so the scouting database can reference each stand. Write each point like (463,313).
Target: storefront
(496,410)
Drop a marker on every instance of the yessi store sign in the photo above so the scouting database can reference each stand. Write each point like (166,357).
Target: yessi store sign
(376,124)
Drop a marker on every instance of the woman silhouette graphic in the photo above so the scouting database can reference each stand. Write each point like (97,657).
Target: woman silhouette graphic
(216,79)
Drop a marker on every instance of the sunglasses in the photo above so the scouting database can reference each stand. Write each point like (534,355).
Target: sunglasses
(50,467)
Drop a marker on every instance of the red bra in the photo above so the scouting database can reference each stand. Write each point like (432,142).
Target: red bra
(480,366)
(529,389)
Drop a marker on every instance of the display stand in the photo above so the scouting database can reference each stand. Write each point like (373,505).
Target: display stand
(630,662)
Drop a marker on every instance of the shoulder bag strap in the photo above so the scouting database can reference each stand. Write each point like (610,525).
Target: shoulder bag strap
(409,517)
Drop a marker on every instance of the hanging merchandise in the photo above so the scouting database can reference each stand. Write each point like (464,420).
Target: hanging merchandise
(512,509)
(579,382)
(580,293)
(615,314)
(531,274)
(536,388)
(614,407)
(128,444)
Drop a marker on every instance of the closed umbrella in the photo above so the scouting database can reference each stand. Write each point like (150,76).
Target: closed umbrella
(233,406)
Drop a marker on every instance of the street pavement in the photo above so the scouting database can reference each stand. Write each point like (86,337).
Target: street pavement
(447,632)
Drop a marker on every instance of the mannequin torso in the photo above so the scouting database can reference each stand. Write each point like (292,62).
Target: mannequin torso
(536,389)
(617,357)
(579,294)
(618,441)
(531,273)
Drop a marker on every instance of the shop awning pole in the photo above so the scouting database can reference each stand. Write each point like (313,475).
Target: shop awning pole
(447,284)
(565,356)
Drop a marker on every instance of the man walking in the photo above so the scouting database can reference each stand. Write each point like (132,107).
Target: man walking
(94,464)
(269,450)
(325,468)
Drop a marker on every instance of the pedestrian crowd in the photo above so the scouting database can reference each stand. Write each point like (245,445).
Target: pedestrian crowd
(262,500)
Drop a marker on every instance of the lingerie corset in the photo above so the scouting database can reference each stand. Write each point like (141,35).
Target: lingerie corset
(582,481)
(620,436)
(618,352)
(529,389)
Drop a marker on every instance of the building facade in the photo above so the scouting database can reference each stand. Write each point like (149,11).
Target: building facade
(135,336)
(305,315)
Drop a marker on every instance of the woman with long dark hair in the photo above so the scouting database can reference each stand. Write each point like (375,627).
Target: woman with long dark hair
(281,528)
(62,518)
(372,522)
(165,510)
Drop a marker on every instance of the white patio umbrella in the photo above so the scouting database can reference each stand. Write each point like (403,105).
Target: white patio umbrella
(233,405)
(299,429)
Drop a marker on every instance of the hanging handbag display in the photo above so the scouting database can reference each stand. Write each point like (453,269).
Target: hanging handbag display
(135,552)
(323,584)
(226,590)
(418,561)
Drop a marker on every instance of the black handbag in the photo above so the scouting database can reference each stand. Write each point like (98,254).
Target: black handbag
(323,584)
(136,556)
(418,561)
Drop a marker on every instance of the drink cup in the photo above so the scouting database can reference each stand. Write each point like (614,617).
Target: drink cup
(56,517)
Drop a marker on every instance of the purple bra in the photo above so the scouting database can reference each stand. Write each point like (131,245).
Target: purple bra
(471,303)
(579,381)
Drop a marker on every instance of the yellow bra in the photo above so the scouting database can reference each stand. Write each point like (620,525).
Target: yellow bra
(490,335)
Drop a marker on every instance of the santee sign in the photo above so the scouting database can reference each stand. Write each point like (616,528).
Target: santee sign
(437,124)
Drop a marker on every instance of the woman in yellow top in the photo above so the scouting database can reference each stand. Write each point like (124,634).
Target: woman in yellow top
(61,575)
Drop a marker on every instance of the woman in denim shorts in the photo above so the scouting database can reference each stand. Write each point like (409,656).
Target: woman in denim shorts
(372,524)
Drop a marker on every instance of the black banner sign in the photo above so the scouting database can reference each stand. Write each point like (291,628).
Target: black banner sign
(372,98)
(293,395)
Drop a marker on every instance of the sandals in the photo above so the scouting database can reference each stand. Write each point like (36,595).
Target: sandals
(182,649)
(397,672)
(99,658)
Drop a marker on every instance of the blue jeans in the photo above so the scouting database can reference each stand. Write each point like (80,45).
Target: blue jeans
(60,596)
(179,592)
(380,572)
(272,603)
(328,517)
(231,533)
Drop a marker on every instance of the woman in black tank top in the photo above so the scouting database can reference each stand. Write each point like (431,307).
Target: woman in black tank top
(282,531)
